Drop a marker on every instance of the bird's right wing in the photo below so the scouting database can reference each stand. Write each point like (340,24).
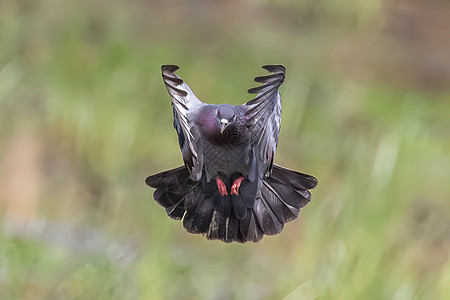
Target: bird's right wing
(185,106)
(264,115)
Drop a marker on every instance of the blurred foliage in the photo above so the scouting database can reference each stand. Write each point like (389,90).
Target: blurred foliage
(84,118)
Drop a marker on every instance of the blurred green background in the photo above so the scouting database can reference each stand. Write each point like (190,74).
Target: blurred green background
(85,117)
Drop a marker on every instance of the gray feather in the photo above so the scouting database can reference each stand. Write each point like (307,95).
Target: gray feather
(264,115)
(185,107)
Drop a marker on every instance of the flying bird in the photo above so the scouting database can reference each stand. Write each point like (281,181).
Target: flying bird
(229,188)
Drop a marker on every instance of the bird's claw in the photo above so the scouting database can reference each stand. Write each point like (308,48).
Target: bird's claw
(221,187)
(235,187)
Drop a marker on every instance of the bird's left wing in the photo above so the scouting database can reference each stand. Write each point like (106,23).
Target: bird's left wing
(185,107)
(263,115)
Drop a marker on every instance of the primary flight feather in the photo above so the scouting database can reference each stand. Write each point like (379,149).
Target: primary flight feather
(229,188)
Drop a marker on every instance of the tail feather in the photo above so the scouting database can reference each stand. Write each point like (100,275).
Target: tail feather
(283,194)
(198,218)
(266,218)
(223,229)
(288,194)
(222,204)
(225,207)
(172,189)
(297,180)
(284,213)
(173,178)
(239,206)
(229,218)
(176,211)
(249,228)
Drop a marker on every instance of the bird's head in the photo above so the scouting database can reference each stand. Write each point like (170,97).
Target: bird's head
(226,116)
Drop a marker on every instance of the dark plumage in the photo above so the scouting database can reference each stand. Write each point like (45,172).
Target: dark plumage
(229,187)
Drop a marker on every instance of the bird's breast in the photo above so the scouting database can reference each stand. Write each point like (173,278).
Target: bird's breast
(231,136)
(226,158)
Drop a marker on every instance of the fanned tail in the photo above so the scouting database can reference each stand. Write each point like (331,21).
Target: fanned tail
(183,198)
(172,188)
(229,218)
(282,195)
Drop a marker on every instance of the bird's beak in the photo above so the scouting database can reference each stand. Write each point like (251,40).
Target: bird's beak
(223,125)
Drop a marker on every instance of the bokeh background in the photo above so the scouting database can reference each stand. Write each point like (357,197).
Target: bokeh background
(85,117)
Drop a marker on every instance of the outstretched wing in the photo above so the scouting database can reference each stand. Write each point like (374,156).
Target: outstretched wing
(264,115)
(185,107)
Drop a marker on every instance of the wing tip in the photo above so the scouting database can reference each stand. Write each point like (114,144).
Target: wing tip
(276,78)
(275,68)
(150,181)
(169,68)
(171,80)
(314,182)
(254,90)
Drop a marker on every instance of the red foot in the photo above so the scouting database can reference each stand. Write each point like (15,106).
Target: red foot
(235,187)
(221,186)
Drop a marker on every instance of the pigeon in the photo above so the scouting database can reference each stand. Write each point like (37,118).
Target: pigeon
(229,188)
